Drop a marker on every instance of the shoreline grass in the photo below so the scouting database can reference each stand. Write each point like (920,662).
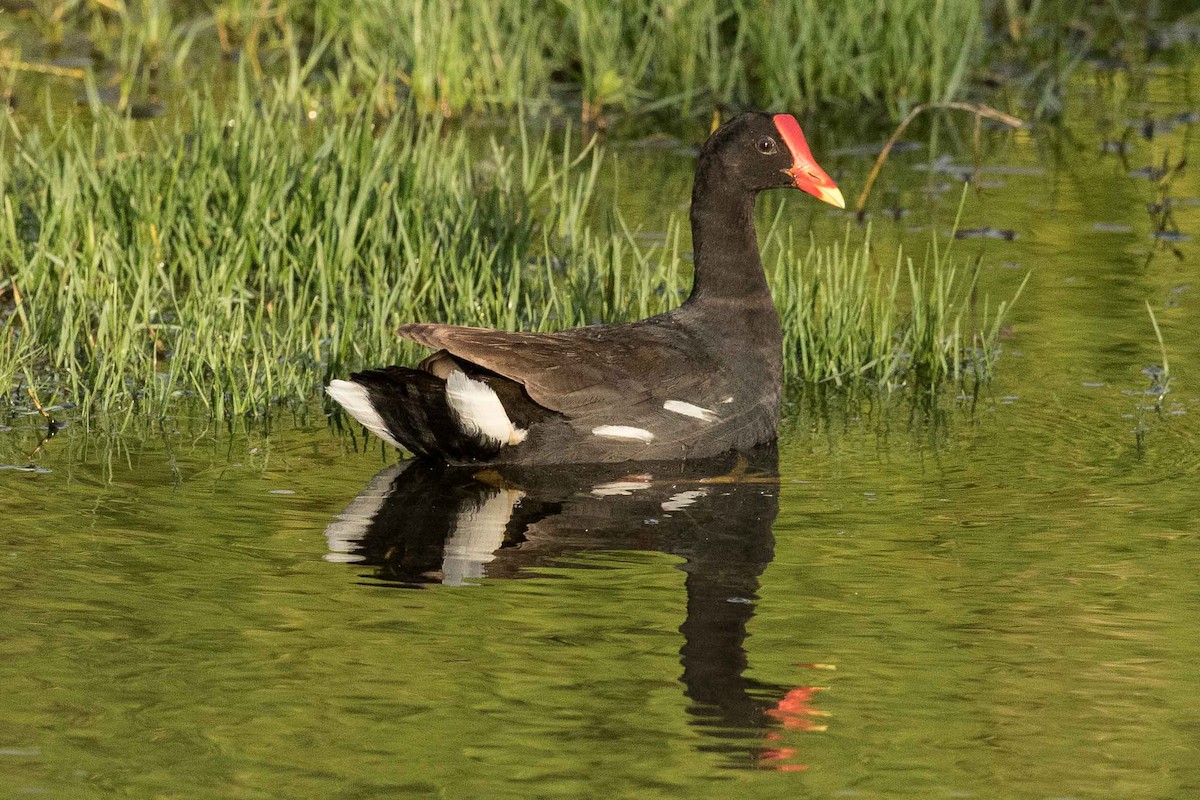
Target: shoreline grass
(242,258)
(446,57)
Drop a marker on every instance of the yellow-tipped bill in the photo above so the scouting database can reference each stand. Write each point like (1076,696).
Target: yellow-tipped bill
(806,174)
(832,195)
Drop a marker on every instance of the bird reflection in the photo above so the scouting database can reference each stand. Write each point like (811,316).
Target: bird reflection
(418,523)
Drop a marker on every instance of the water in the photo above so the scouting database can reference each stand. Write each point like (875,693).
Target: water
(989,596)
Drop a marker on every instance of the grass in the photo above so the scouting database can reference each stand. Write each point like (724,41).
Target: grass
(243,254)
(846,321)
(693,56)
(236,258)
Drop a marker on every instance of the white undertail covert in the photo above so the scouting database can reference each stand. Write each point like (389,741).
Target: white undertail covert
(357,402)
(479,409)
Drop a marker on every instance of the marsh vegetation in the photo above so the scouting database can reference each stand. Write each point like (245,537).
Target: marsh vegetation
(346,173)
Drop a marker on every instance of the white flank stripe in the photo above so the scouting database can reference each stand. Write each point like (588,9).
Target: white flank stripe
(479,410)
(728,399)
(478,534)
(689,410)
(680,501)
(623,432)
(354,398)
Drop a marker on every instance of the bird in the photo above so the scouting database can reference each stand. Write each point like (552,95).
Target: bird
(697,381)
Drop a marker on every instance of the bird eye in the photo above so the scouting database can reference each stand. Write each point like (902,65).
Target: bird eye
(766,146)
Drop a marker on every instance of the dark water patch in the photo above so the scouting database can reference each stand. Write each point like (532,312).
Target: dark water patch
(1001,126)
(967,173)
(1012,169)
(1171,236)
(30,468)
(986,232)
(20,752)
(150,109)
(938,189)
(867,150)
(1149,172)
(656,141)
(108,95)
(946,165)
(1175,295)
(1149,128)
(1180,34)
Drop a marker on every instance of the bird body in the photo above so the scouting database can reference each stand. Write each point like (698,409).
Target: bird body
(694,382)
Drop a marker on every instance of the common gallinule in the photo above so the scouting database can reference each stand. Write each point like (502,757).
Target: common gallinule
(699,380)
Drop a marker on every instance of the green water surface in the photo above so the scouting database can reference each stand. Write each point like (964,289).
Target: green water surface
(991,595)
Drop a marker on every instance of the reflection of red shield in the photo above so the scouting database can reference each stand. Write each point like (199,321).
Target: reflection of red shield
(772,757)
(796,713)
(795,710)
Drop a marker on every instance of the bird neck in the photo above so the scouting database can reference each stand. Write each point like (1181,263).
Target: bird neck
(728,268)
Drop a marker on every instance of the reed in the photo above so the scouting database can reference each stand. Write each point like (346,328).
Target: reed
(240,256)
(683,53)
(603,56)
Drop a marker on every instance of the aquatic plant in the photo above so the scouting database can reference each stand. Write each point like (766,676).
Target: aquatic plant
(846,321)
(1152,399)
(1161,374)
(453,55)
(229,256)
(241,255)
(450,56)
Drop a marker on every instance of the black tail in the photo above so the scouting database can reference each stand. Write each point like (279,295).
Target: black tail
(408,407)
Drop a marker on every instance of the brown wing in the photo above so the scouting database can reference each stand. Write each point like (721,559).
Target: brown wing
(581,370)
